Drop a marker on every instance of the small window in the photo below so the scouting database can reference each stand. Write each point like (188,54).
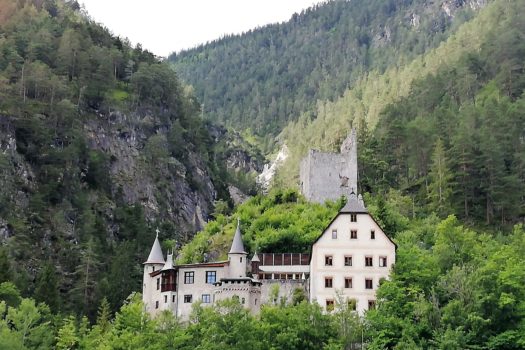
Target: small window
(330,305)
(158,283)
(348,282)
(352,304)
(353,234)
(334,234)
(165,299)
(382,261)
(353,217)
(240,259)
(368,283)
(255,302)
(328,260)
(328,282)
(189,277)
(211,276)
(243,301)
(153,268)
(206,298)
(157,304)
(369,261)
(371,304)
(173,299)
(348,260)
(188,298)
(372,234)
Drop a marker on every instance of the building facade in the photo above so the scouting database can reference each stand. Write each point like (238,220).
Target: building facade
(346,264)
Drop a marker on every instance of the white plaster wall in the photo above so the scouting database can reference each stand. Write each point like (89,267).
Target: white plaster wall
(238,265)
(358,248)
(150,294)
(197,289)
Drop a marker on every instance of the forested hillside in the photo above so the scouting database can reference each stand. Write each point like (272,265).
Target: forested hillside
(447,128)
(100,145)
(267,77)
(451,288)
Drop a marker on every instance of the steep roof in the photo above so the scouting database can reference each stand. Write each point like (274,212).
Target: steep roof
(256,257)
(354,204)
(155,255)
(169,263)
(237,245)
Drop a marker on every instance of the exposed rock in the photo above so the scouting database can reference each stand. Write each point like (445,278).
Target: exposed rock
(266,176)
(237,196)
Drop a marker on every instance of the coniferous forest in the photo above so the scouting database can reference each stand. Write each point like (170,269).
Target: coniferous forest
(101,143)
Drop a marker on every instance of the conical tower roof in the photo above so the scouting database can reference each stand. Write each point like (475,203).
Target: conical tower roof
(237,245)
(255,257)
(155,255)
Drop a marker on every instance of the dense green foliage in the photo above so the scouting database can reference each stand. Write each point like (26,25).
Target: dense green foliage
(448,128)
(451,288)
(281,222)
(267,77)
(63,211)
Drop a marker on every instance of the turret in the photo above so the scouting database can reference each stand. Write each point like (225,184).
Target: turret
(237,255)
(154,263)
(255,265)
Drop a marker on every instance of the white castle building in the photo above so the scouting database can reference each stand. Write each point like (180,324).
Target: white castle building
(346,264)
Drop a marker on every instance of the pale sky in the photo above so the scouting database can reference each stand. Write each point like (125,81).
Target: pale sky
(164,26)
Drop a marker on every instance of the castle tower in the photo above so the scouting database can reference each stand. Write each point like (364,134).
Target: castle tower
(151,279)
(237,255)
(349,152)
(256,262)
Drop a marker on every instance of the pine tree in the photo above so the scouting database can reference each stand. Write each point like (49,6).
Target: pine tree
(46,289)
(439,188)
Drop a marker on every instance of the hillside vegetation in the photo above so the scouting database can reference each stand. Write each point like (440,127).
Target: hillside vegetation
(448,128)
(100,145)
(265,78)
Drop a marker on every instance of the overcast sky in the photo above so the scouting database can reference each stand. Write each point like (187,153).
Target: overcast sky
(164,26)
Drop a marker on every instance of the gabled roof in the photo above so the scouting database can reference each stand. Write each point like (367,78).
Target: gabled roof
(155,255)
(354,205)
(237,245)
(255,257)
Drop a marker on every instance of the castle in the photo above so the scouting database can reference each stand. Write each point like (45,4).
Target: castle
(345,264)
(326,176)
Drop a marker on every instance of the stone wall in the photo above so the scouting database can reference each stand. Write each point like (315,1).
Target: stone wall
(328,176)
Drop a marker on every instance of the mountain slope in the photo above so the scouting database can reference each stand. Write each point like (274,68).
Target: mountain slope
(100,145)
(267,77)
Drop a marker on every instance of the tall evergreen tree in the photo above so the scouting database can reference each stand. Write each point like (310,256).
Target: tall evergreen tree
(440,186)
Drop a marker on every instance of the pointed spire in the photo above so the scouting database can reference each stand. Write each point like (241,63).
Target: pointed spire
(155,255)
(255,257)
(237,245)
(169,262)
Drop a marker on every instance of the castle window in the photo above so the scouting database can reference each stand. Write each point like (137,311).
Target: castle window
(188,298)
(165,299)
(243,300)
(382,261)
(206,299)
(369,261)
(371,304)
(153,268)
(240,259)
(328,282)
(334,234)
(330,305)
(211,276)
(158,283)
(348,260)
(157,304)
(348,282)
(173,299)
(189,277)
(372,234)
(352,304)
(353,217)
(368,283)
(353,234)
(255,302)
(328,260)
